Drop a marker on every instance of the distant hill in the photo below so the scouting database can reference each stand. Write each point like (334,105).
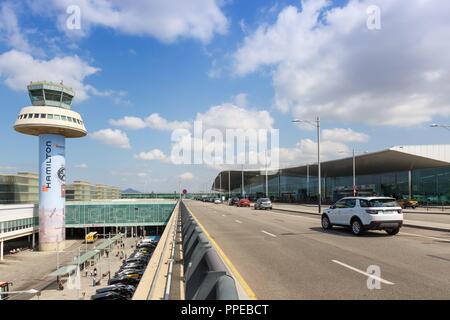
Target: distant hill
(130,190)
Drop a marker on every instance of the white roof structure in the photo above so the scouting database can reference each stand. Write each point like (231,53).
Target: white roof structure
(394,159)
(439,152)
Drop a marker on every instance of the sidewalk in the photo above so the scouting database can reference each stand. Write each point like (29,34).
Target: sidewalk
(104,265)
(412,218)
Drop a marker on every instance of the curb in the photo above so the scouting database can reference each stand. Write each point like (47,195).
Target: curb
(404,224)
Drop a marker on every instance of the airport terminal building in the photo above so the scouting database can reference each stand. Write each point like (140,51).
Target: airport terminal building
(420,172)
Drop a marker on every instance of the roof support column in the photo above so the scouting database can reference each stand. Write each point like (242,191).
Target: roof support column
(410,184)
(1,250)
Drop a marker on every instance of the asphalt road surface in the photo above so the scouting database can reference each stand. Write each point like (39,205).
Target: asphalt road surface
(288,256)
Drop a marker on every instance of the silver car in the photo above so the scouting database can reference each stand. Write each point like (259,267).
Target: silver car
(263,203)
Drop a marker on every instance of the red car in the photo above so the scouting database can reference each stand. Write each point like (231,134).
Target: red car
(243,203)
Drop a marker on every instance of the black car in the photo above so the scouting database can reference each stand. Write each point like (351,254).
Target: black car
(137,265)
(138,258)
(122,289)
(109,295)
(140,255)
(233,201)
(146,245)
(124,280)
(130,271)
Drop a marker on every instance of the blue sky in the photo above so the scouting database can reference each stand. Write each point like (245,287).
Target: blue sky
(242,56)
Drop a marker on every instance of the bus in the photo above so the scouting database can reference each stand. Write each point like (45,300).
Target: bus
(91,237)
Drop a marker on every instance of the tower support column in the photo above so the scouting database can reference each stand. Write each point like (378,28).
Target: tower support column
(52,180)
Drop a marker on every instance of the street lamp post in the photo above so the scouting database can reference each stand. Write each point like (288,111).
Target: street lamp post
(354,168)
(229,184)
(267,178)
(316,124)
(220,186)
(354,174)
(242,183)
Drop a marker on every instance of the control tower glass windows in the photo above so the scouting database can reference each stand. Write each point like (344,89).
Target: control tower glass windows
(67,99)
(53,95)
(37,95)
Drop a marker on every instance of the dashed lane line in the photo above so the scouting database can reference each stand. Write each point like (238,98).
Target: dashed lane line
(363,272)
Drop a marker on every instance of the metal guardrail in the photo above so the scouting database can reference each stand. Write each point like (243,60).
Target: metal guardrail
(206,276)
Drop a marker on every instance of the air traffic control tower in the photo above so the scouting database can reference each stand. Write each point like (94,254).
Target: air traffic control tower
(50,117)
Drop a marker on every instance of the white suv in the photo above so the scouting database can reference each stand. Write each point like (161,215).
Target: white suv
(364,213)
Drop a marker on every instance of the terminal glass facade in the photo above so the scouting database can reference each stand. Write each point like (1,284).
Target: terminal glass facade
(430,186)
(118,214)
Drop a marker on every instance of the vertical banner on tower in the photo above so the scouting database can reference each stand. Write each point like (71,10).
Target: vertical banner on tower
(52,183)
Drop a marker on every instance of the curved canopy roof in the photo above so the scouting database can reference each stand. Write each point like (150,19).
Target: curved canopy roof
(400,158)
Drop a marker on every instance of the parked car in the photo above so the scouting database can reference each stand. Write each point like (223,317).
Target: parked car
(137,266)
(408,203)
(365,213)
(233,201)
(146,245)
(138,258)
(123,280)
(243,203)
(130,273)
(217,201)
(263,203)
(109,295)
(122,289)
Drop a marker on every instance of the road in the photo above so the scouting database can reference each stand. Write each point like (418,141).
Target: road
(285,255)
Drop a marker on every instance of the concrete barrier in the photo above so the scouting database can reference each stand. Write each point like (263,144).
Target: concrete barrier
(153,282)
(206,276)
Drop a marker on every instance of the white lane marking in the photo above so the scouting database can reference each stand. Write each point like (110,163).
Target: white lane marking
(268,233)
(223,215)
(238,221)
(363,272)
(421,236)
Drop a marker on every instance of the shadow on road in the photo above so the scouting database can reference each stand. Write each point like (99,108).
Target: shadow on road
(345,232)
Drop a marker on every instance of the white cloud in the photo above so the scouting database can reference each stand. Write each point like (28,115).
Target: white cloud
(153,155)
(112,137)
(129,123)
(117,97)
(241,100)
(230,116)
(220,118)
(82,166)
(305,152)
(153,121)
(165,20)
(344,135)
(10,30)
(19,68)
(327,62)
(186,176)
